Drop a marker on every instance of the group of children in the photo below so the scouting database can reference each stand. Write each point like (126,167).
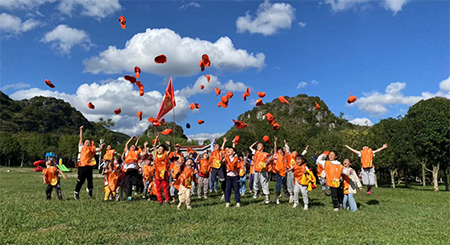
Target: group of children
(161,171)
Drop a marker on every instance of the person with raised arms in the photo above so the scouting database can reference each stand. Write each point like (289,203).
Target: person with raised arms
(161,157)
(260,168)
(291,161)
(131,166)
(218,170)
(280,169)
(333,171)
(232,164)
(367,167)
(86,163)
(203,167)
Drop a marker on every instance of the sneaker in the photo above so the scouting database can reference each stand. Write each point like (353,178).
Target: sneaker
(223,197)
(76,196)
(295,205)
(227,205)
(279,196)
(267,200)
(336,209)
(238,205)
(89,192)
(277,201)
(369,192)
(255,196)
(135,193)
(205,197)
(149,199)
(189,207)
(143,197)
(199,197)
(291,199)
(242,194)
(306,207)
(251,192)
(129,199)
(179,206)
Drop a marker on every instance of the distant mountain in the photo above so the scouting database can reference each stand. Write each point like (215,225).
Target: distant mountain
(45,115)
(299,122)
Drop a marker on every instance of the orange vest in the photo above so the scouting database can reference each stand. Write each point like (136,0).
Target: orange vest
(290,160)
(113,179)
(86,156)
(204,167)
(214,159)
(260,161)
(109,155)
(319,170)
(232,165)
(298,172)
(242,168)
(50,175)
(280,167)
(333,173)
(161,162)
(132,156)
(367,158)
(147,172)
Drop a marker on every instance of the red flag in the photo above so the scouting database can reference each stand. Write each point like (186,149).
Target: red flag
(168,102)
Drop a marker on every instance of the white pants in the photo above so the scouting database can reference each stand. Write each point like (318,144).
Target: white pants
(260,178)
(303,189)
(290,182)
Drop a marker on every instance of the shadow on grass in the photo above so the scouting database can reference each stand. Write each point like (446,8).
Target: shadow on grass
(373,202)
(315,202)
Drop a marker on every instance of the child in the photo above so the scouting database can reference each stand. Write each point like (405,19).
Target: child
(351,180)
(321,176)
(232,164)
(111,173)
(280,169)
(367,167)
(148,170)
(242,173)
(162,165)
(122,183)
(333,171)
(131,166)
(251,178)
(52,180)
(299,169)
(175,173)
(185,181)
(260,168)
(291,161)
(204,167)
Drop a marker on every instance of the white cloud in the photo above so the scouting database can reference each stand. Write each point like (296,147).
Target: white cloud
(204,136)
(63,38)
(183,55)
(107,97)
(302,24)
(269,19)
(191,4)
(362,121)
(13,24)
(394,5)
(209,87)
(302,85)
(375,102)
(314,82)
(93,8)
(15,86)
(340,5)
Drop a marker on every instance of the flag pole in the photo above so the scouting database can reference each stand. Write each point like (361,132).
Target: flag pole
(173,113)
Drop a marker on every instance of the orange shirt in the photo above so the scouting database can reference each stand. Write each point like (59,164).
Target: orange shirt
(109,155)
(367,158)
(214,159)
(204,168)
(147,172)
(252,167)
(319,170)
(333,173)
(113,179)
(175,171)
(186,177)
(132,156)
(241,168)
(290,160)
(232,165)
(161,166)
(50,175)
(298,172)
(280,167)
(260,161)
(171,155)
(86,155)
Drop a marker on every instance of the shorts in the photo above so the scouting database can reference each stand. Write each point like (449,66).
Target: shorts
(368,176)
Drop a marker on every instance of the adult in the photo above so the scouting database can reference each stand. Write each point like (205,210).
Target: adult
(85,164)
(367,167)
(131,166)
(260,168)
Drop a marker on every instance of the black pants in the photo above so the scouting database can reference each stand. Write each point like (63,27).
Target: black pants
(84,173)
(49,189)
(140,184)
(131,177)
(337,196)
(232,183)
(220,172)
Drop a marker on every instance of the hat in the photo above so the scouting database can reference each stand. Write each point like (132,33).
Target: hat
(177,145)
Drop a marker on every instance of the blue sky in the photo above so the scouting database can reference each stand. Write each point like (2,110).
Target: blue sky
(390,54)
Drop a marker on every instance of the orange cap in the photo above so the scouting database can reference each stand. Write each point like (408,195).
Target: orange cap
(208,77)
(317,106)
(283,100)
(50,84)
(139,114)
(200,121)
(267,139)
(259,102)
(117,111)
(201,86)
(192,106)
(229,94)
(131,79)
(137,71)
(276,126)
(90,105)
(160,59)
(261,94)
(217,91)
(167,131)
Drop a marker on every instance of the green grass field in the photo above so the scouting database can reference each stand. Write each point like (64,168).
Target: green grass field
(389,216)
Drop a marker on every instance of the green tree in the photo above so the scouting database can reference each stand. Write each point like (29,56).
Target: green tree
(9,148)
(429,121)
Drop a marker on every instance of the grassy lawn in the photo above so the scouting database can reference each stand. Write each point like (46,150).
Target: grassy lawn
(389,216)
